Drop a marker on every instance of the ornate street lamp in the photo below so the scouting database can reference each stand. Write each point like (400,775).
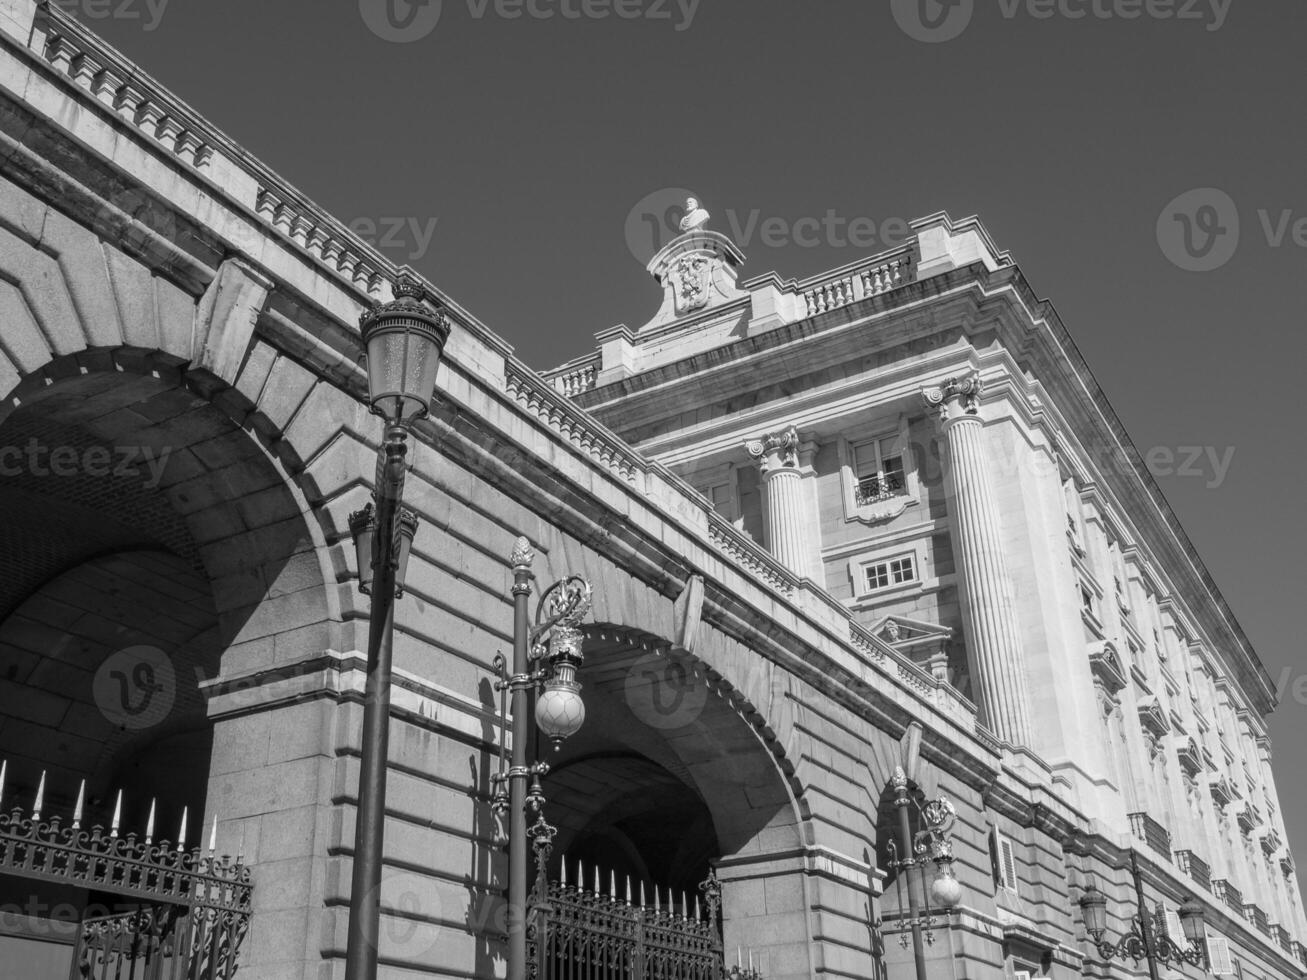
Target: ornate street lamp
(1147,938)
(931,843)
(404,340)
(546,657)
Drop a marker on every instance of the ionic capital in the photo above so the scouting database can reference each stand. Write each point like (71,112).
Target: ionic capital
(776,450)
(955,398)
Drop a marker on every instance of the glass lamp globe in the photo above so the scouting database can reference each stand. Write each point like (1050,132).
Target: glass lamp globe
(560,712)
(946,890)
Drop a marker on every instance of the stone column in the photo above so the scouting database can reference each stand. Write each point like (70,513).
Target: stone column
(992,633)
(778,458)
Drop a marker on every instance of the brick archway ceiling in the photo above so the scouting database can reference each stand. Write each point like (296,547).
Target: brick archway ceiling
(59,715)
(715,754)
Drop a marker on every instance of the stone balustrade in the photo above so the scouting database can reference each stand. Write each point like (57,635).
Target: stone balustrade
(877,278)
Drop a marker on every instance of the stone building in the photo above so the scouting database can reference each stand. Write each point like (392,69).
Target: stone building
(878,520)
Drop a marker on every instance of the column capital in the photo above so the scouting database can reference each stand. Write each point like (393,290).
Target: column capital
(776,450)
(956,398)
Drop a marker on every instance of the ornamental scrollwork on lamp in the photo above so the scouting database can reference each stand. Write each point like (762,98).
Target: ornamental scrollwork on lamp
(776,450)
(955,397)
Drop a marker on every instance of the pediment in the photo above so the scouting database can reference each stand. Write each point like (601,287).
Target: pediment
(1153,717)
(1106,666)
(902,633)
(1191,759)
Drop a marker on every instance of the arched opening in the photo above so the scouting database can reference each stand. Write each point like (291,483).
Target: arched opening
(665,785)
(146,531)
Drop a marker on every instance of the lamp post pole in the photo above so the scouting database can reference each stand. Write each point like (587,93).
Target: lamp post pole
(546,656)
(1143,940)
(404,340)
(518,774)
(1145,926)
(365,886)
(901,801)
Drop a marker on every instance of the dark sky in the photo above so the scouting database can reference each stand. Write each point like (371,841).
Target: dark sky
(530,141)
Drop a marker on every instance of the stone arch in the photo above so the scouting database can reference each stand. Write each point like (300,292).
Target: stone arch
(114,453)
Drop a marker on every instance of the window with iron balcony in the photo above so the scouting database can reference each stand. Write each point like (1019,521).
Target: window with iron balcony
(878,471)
(1152,833)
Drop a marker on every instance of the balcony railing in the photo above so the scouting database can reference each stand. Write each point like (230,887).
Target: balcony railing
(1195,867)
(1282,937)
(1230,895)
(874,489)
(1152,833)
(1254,914)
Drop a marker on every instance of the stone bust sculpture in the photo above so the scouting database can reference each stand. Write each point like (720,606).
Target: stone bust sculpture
(695,216)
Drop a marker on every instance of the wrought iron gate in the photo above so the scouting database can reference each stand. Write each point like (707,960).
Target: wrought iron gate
(581,935)
(184,914)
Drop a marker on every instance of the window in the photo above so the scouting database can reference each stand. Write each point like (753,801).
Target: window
(1134,650)
(1088,602)
(893,571)
(723,500)
(878,471)
(1005,862)
(1218,955)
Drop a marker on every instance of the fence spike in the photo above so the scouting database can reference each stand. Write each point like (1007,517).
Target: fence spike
(149,824)
(3,767)
(612,885)
(628,889)
(596,879)
(117,815)
(562,877)
(181,832)
(641,893)
(697,914)
(77,810)
(657,909)
(213,835)
(40,798)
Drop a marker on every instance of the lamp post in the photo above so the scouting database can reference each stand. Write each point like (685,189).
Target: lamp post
(546,657)
(1147,938)
(404,340)
(930,843)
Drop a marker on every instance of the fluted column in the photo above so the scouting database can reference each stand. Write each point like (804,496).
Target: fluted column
(778,458)
(990,618)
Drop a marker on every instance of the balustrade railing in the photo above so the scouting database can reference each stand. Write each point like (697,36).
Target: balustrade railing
(1229,894)
(1152,833)
(1195,867)
(856,284)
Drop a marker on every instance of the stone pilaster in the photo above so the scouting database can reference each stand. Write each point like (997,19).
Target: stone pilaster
(992,632)
(783,492)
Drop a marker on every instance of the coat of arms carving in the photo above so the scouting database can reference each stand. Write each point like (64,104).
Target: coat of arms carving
(690,282)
